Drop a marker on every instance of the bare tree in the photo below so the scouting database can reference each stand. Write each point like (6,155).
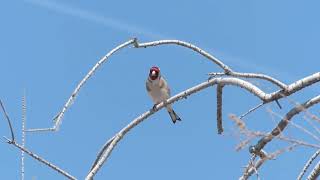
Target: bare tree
(227,77)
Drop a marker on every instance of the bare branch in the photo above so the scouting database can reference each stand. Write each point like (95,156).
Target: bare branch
(58,118)
(308,163)
(103,149)
(261,161)
(226,81)
(315,172)
(252,134)
(24,117)
(251,75)
(8,120)
(187,45)
(40,159)
(296,125)
(251,110)
(219,108)
(284,122)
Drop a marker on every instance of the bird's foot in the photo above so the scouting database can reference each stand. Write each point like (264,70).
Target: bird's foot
(154,107)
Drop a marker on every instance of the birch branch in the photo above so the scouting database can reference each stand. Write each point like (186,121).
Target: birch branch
(187,45)
(315,172)
(8,120)
(261,161)
(251,75)
(308,163)
(252,134)
(58,118)
(225,81)
(284,122)
(24,117)
(40,159)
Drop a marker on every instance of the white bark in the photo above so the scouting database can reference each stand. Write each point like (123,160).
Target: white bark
(308,163)
(58,118)
(265,97)
(40,159)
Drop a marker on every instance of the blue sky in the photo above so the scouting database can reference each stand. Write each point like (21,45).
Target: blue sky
(48,46)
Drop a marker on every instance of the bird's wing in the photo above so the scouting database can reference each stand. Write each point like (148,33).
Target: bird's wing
(164,84)
(148,85)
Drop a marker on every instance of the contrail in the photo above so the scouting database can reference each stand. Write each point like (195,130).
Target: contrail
(96,18)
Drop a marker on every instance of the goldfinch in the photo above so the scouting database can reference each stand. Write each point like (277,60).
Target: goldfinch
(159,91)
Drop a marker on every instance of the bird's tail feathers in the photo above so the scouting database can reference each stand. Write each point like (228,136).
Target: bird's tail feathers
(174,116)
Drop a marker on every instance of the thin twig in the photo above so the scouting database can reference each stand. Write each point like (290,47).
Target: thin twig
(23,138)
(8,120)
(40,159)
(308,163)
(58,118)
(251,110)
(253,134)
(296,125)
(279,105)
(284,122)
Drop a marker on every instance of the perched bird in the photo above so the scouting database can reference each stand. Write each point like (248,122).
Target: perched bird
(159,91)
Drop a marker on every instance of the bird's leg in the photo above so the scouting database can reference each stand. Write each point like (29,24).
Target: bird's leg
(154,107)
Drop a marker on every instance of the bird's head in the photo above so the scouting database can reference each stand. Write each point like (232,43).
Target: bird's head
(154,73)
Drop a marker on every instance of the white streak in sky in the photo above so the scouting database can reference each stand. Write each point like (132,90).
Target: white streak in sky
(96,18)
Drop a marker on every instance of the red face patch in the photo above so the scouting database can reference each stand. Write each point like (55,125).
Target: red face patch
(154,73)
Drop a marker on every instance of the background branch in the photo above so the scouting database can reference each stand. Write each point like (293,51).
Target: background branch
(40,159)
(308,163)
(284,122)
(23,138)
(315,172)
(8,120)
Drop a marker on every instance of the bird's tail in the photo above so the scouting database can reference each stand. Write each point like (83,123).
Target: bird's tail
(173,115)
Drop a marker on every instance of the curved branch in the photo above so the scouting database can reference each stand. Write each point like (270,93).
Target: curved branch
(308,163)
(224,81)
(252,75)
(226,69)
(284,122)
(8,120)
(315,172)
(58,118)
